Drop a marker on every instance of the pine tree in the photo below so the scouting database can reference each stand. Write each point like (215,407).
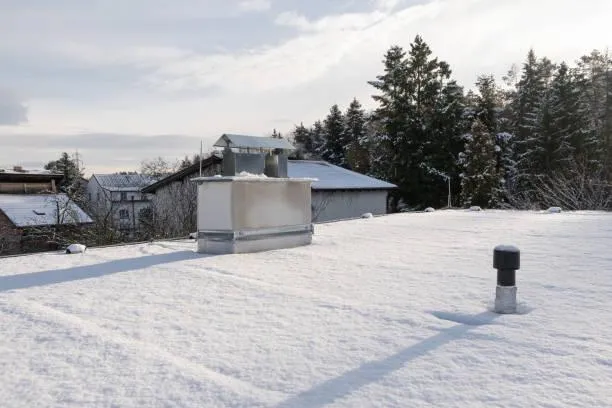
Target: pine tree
(595,73)
(303,141)
(334,150)
(446,143)
(317,135)
(420,113)
(72,173)
(479,178)
(432,145)
(569,127)
(355,134)
(488,102)
(532,121)
(389,120)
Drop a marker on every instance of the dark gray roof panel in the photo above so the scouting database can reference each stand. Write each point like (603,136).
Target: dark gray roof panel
(253,142)
(124,181)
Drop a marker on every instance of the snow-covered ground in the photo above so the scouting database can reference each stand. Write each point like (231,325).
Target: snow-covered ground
(382,312)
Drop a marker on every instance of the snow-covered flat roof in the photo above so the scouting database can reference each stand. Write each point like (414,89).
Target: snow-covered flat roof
(41,209)
(28,171)
(331,177)
(383,312)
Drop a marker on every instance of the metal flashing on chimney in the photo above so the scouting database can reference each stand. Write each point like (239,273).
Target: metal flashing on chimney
(254,155)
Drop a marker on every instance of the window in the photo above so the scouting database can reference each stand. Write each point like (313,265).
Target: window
(123,196)
(124,214)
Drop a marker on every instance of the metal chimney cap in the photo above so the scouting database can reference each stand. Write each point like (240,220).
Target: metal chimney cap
(253,142)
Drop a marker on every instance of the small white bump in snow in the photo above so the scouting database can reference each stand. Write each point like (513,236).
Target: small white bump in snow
(76,249)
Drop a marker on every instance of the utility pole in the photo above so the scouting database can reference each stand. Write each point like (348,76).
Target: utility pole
(77,160)
(449,191)
(200,158)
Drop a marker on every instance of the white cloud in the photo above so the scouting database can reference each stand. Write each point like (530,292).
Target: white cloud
(292,19)
(12,109)
(386,4)
(327,61)
(474,36)
(255,5)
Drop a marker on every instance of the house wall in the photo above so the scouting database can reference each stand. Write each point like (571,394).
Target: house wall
(331,205)
(10,237)
(103,202)
(7,187)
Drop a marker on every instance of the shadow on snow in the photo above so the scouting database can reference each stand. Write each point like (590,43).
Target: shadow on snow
(371,372)
(51,277)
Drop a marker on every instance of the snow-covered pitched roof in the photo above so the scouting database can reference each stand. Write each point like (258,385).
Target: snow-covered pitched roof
(331,177)
(124,182)
(41,209)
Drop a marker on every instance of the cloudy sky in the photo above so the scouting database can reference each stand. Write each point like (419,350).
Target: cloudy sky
(125,80)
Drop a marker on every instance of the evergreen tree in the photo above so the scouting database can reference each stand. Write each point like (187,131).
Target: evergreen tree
(446,143)
(488,102)
(389,120)
(72,173)
(317,135)
(479,178)
(303,141)
(355,134)
(420,112)
(595,73)
(532,121)
(334,150)
(569,127)
(491,106)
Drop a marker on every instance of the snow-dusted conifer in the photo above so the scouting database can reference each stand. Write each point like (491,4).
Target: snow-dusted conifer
(479,177)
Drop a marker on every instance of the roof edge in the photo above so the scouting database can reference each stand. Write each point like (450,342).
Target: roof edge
(152,188)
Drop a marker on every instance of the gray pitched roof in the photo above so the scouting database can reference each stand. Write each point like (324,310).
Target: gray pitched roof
(41,209)
(253,142)
(123,182)
(331,177)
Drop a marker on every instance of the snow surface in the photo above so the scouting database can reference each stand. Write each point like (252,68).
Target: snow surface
(387,312)
(250,175)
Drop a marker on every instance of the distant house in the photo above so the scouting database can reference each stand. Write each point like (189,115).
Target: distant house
(337,194)
(32,213)
(117,198)
(18,180)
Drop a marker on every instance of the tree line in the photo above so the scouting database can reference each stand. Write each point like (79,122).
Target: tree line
(540,137)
